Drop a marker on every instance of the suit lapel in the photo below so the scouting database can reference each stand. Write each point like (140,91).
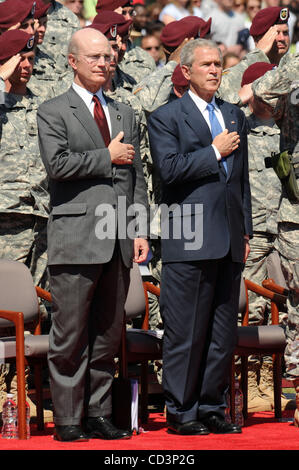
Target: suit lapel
(116,117)
(195,120)
(231,125)
(82,113)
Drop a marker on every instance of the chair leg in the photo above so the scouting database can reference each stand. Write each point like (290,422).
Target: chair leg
(244,384)
(277,375)
(144,392)
(39,396)
(20,366)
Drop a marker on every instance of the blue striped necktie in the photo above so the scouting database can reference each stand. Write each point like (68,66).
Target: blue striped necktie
(215,127)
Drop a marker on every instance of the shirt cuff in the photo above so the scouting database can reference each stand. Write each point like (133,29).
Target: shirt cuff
(217,153)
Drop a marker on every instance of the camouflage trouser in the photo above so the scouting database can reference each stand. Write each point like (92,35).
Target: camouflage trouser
(155,319)
(22,238)
(263,262)
(288,245)
(155,266)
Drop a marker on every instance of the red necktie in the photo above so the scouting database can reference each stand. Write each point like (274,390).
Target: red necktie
(101,120)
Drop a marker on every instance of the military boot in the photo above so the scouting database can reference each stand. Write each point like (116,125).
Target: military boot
(266,388)
(256,400)
(296,415)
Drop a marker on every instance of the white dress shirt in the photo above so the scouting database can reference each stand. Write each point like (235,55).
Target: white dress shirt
(87,98)
(202,106)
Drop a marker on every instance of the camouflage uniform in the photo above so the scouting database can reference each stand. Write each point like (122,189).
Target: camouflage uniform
(62,23)
(232,77)
(154,90)
(280,89)
(24,184)
(24,202)
(138,63)
(263,138)
(45,76)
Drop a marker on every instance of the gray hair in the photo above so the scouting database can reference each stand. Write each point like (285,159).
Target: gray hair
(187,53)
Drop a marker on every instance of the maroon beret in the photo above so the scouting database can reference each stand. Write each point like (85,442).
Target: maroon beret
(175,32)
(110,5)
(111,24)
(178,78)
(268,17)
(15,11)
(14,41)
(255,71)
(41,9)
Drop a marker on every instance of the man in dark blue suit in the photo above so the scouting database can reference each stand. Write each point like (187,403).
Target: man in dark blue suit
(199,148)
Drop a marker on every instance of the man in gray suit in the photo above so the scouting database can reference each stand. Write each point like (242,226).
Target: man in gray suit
(92,170)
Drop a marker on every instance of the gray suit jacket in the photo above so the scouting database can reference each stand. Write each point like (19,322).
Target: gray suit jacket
(85,188)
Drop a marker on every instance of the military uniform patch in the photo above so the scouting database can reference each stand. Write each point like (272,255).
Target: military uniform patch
(284,13)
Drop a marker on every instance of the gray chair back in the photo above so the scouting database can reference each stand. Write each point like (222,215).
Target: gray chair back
(17,292)
(135,303)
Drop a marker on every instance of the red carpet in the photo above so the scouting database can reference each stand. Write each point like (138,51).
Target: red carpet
(261,432)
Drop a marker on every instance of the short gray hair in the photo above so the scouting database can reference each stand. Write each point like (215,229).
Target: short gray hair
(187,53)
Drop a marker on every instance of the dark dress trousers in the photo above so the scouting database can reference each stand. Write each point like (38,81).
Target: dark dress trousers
(200,280)
(89,273)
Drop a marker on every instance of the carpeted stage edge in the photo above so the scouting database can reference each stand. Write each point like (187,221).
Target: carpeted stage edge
(262,432)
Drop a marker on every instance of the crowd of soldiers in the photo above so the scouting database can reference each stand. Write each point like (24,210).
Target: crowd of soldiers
(34,37)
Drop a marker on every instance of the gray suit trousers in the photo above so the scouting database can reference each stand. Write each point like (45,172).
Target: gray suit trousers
(88,312)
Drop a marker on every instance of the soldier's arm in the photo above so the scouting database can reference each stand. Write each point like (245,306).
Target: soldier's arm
(232,77)
(155,90)
(279,82)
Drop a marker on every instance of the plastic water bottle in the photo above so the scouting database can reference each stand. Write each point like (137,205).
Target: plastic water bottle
(9,418)
(238,404)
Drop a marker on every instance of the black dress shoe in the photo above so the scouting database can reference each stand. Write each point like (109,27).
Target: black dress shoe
(218,425)
(69,433)
(190,428)
(102,428)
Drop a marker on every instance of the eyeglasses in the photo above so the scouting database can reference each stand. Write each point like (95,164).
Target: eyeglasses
(95,59)
(152,47)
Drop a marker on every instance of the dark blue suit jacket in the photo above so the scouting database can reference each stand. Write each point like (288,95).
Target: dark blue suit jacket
(215,204)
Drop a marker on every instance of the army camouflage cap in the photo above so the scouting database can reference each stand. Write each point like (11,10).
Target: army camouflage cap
(175,32)
(15,11)
(268,17)
(14,41)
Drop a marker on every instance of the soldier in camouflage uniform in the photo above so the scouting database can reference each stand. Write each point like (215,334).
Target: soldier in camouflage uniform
(24,202)
(43,82)
(62,23)
(133,61)
(263,261)
(279,89)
